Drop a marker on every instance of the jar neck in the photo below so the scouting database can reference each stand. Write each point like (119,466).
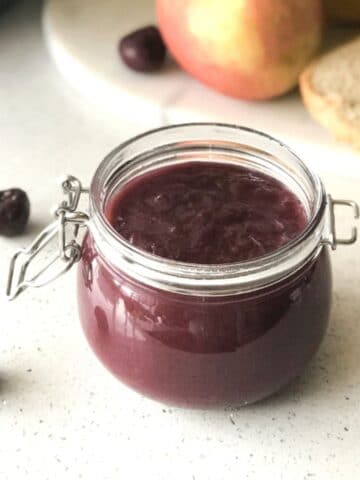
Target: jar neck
(214,143)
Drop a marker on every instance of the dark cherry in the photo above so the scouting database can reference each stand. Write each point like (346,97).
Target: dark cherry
(143,50)
(14,212)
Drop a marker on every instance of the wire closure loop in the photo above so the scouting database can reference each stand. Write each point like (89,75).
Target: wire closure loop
(332,239)
(66,229)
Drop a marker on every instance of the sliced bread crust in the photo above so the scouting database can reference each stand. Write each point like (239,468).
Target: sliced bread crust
(336,110)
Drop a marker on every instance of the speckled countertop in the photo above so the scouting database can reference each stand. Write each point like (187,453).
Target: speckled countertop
(62,416)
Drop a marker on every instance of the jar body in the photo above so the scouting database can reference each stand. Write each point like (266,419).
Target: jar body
(198,351)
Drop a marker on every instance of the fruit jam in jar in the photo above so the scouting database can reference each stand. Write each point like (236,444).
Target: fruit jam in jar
(204,280)
(204,277)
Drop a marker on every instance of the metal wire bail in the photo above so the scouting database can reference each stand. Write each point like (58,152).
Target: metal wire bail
(65,228)
(332,239)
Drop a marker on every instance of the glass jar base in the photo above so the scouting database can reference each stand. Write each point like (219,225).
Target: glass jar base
(203,352)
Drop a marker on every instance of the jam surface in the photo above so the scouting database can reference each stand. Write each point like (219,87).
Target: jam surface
(206,213)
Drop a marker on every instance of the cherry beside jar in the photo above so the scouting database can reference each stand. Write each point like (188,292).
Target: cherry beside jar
(203,335)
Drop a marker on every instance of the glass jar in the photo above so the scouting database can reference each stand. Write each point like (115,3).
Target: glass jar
(188,334)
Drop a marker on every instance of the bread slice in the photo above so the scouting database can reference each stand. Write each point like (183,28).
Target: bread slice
(330,87)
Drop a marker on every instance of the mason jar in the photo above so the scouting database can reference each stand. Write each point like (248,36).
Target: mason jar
(196,335)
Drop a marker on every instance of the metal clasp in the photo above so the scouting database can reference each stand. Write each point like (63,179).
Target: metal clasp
(65,229)
(332,238)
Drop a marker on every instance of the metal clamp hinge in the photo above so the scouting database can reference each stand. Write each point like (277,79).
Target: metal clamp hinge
(65,230)
(332,239)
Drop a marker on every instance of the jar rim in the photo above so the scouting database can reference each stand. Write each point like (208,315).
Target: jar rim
(202,279)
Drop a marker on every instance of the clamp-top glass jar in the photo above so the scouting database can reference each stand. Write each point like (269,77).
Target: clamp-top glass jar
(193,334)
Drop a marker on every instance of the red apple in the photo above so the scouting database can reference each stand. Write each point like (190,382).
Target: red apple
(251,49)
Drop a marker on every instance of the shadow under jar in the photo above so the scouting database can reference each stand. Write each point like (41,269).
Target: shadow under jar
(198,334)
(204,335)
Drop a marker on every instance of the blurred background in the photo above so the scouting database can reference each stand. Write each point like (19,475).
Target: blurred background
(68,94)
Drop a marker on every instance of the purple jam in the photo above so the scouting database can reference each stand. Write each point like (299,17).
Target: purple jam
(204,351)
(207,213)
